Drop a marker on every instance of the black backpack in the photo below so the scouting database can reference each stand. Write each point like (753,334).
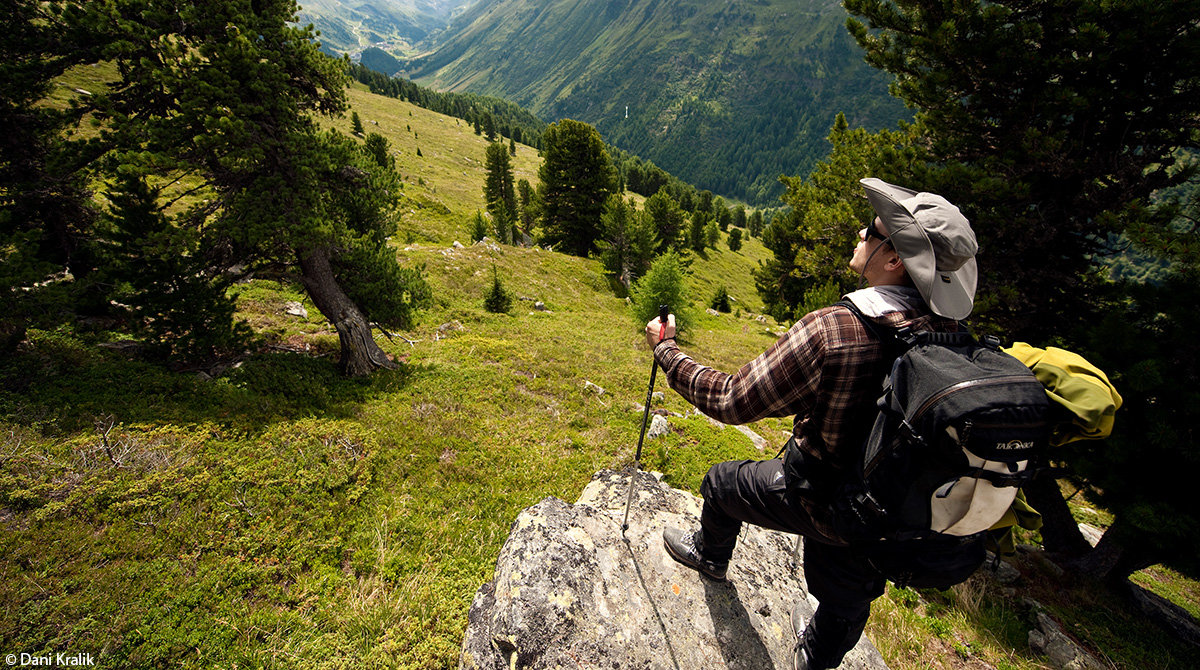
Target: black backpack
(961,426)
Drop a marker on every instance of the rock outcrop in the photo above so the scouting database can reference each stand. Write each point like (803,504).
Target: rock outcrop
(571,590)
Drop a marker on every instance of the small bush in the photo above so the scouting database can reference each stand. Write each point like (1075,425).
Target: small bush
(478,227)
(735,239)
(720,301)
(498,300)
(662,285)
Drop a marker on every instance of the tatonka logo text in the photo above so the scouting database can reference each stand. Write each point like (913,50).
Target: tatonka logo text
(1014,445)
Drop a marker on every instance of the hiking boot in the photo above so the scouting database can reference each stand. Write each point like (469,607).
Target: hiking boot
(800,657)
(687,549)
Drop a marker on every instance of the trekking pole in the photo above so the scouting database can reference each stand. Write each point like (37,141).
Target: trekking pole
(663,310)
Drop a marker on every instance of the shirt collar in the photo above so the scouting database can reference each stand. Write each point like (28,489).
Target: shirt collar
(875,301)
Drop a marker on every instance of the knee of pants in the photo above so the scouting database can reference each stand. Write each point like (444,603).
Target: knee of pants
(844,583)
(718,480)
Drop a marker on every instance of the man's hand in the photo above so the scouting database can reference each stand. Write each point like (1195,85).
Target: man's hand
(657,332)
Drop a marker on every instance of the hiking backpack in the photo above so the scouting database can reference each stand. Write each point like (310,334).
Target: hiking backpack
(961,427)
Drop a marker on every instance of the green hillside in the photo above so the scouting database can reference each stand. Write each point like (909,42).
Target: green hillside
(396,24)
(272,514)
(725,96)
(281,516)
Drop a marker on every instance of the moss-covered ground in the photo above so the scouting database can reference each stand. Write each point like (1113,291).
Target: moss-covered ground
(279,516)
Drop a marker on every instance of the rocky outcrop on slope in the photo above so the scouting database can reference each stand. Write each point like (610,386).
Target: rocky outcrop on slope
(572,591)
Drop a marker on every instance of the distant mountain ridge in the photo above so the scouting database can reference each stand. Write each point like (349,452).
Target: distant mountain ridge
(726,95)
(349,27)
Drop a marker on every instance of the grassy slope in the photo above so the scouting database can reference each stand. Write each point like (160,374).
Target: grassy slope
(280,516)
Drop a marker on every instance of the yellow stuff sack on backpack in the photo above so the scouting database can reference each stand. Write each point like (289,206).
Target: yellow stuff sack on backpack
(1076,386)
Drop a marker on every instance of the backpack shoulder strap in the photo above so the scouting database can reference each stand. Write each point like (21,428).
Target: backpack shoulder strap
(900,340)
(895,340)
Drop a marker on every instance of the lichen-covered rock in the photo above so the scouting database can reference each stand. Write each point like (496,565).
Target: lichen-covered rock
(571,590)
(1049,639)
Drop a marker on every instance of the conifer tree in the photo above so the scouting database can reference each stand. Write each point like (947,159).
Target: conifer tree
(527,206)
(712,234)
(577,177)
(698,236)
(489,127)
(154,267)
(498,190)
(720,300)
(663,284)
(228,91)
(755,225)
(735,239)
(356,125)
(379,150)
(628,240)
(498,299)
(669,221)
(739,216)
(721,214)
(46,214)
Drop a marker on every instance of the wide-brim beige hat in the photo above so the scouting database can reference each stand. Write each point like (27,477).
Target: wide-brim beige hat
(935,242)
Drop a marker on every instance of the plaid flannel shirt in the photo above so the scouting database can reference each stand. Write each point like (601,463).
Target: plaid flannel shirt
(825,371)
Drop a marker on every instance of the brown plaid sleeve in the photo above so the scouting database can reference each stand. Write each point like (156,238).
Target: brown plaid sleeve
(822,371)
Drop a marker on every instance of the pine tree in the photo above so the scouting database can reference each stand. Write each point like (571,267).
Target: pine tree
(735,239)
(498,299)
(489,127)
(478,227)
(698,236)
(155,268)
(356,124)
(498,190)
(663,284)
(721,214)
(739,216)
(720,300)
(669,221)
(576,179)
(527,206)
(378,149)
(628,240)
(46,211)
(755,225)
(285,193)
(712,234)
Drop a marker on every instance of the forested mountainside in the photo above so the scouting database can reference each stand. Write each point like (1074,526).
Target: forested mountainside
(726,95)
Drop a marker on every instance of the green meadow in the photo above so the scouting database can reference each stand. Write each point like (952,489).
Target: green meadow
(272,514)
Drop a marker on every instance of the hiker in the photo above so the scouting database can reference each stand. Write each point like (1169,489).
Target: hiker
(917,258)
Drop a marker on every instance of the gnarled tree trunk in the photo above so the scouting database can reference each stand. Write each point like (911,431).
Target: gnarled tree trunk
(1060,531)
(1113,560)
(360,354)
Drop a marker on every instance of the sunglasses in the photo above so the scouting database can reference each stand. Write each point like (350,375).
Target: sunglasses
(872,231)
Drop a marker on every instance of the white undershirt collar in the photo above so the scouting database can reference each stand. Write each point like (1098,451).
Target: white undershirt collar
(875,301)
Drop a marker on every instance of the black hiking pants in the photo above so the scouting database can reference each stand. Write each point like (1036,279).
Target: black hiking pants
(844,582)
